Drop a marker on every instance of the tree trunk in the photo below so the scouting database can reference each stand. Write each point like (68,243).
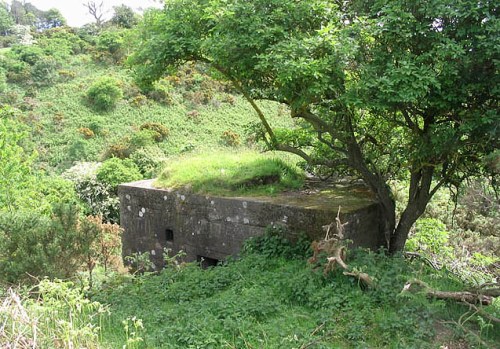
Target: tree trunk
(420,194)
(400,234)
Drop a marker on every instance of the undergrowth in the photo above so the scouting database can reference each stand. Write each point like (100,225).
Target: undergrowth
(267,300)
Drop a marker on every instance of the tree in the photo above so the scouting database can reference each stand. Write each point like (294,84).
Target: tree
(124,17)
(51,19)
(388,89)
(6,21)
(96,10)
(24,13)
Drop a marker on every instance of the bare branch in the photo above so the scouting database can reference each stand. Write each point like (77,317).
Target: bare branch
(96,10)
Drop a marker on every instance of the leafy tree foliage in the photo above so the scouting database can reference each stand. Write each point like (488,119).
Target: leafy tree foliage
(381,89)
(51,19)
(124,16)
(6,21)
(26,14)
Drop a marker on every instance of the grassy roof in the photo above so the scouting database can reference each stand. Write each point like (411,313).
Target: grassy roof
(223,173)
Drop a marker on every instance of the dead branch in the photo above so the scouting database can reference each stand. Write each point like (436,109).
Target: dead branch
(459,296)
(334,247)
(482,312)
(413,255)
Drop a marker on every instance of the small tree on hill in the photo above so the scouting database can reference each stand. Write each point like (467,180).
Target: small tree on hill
(389,89)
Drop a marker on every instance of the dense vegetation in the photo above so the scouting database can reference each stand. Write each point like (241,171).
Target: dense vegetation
(80,114)
(383,89)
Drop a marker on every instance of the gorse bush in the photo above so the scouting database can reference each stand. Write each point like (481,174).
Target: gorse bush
(104,93)
(33,244)
(26,53)
(116,171)
(161,131)
(3,81)
(110,45)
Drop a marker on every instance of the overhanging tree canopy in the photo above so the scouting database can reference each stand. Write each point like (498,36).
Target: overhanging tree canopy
(386,89)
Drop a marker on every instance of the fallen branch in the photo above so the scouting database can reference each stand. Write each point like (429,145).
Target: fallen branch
(414,255)
(481,312)
(459,296)
(336,251)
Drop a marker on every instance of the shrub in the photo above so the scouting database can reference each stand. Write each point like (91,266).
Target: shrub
(161,131)
(430,237)
(32,244)
(16,70)
(44,72)
(162,92)
(109,45)
(120,150)
(66,75)
(149,160)
(105,93)
(96,196)
(142,138)
(86,132)
(277,242)
(230,138)
(60,317)
(139,100)
(115,171)
(26,53)
(107,245)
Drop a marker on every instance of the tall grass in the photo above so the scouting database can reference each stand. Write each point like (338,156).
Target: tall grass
(224,173)
(59,317)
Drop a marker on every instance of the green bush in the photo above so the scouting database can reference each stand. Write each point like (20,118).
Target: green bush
(32,244)
(149,160)
(96,196)
(430,237)
(277,242)
(26,53)
(15,70)
(161,131)
(109,45)
(142,138)
(45,72)
(60,42)
(162,92)
(116,171)
(104,93)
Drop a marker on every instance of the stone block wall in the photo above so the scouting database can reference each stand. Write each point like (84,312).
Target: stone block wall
(216,227)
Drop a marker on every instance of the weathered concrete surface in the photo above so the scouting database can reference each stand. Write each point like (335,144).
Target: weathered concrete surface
(216,227)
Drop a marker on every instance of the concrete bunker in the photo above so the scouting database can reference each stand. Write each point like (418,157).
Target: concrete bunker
(209,228)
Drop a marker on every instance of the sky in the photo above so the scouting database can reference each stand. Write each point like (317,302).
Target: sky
(77,15)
